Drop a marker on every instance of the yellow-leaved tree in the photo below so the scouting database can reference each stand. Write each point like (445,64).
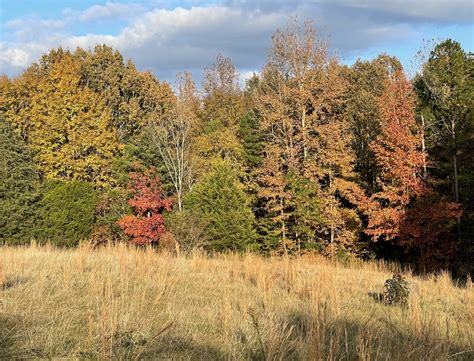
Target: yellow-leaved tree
(67,125)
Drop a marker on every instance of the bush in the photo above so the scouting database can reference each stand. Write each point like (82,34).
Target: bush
(111,206)
(396,291)
(66,213)
(188,229)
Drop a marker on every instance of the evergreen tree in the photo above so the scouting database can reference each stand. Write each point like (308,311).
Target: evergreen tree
(445,88)
(251,138)
(367,81)
(19,184)
(221,203)
(66,213)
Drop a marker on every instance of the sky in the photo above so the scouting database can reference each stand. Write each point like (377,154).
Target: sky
(167,37)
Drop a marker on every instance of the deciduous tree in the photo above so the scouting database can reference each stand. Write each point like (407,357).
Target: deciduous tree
(67,125)
(404,209)
(172,135)
(300,102)
(222,109)
(146,226)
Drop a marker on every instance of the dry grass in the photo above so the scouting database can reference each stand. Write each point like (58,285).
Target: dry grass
(121,303)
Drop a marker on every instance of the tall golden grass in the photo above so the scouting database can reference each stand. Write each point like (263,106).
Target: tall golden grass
(122,303)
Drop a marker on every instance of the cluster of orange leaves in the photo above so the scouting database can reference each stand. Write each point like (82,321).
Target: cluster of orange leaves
(405,208)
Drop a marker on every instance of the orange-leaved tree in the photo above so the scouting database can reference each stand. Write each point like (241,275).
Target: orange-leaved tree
(146,226)
(404,209)
(398,158)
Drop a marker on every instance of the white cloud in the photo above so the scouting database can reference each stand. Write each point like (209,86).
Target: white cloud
(170,40)
(110,10)
(14,57)
(246,75)
(422,10)
(30,27)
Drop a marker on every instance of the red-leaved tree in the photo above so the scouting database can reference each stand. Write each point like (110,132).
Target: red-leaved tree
(398,158)
(146,226)
(405,209)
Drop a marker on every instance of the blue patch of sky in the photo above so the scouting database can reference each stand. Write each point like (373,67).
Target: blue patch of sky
(406,50)
(57,10)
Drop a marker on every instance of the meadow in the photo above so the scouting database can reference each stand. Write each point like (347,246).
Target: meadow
(119,302)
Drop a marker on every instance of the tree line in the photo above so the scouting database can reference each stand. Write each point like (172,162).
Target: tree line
(310,156)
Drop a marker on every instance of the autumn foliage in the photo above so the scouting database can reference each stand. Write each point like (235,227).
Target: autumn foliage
(404,209)
(311,156)
(146,226)
(399,159)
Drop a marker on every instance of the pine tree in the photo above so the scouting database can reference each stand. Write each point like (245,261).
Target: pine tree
(252,142)
(221,203)
(367,81)
(445,89)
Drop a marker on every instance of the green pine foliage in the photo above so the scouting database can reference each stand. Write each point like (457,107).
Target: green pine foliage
(251,139)
(66,213)
(19,183)
(307,215)
(445,89)
(220,201)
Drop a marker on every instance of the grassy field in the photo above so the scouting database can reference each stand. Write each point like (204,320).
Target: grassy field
(121,303)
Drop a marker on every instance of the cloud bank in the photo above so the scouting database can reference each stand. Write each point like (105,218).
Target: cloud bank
(188,38)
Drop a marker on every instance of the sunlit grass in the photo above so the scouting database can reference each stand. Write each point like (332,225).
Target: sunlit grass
(123,303)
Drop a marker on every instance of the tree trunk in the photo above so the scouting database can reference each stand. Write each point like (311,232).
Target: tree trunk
(179,201)
(423,148)
(283,229)
(455,175)
(303,133)
(455,161)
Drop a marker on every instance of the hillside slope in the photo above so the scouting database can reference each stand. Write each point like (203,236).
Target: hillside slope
(121,303)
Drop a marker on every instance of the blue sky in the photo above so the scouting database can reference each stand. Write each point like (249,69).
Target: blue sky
(170,36)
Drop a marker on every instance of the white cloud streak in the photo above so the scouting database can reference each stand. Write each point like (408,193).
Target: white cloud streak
(167,41)
(110,10)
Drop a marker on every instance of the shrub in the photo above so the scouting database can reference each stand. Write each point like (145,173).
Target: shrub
(397,290)
(110,208)
(66,212)
(188,229)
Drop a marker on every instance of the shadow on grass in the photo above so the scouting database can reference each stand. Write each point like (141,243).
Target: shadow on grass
(378,338)
(10,348)
(176,347)
(11,282)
